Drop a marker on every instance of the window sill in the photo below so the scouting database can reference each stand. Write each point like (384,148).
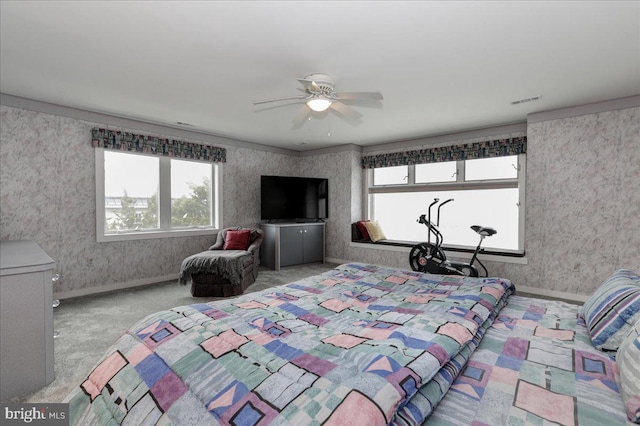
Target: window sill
(406,247)
(148,235)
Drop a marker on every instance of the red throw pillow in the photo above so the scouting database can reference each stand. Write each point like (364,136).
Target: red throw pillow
(363,229)
(237,240)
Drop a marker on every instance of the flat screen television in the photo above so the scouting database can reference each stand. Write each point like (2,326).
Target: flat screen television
(293,198)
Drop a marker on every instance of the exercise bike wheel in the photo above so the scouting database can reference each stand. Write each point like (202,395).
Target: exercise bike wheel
(468,270)
(426,257)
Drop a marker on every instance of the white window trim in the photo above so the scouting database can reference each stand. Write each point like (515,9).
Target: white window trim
(460,184)
(165,188)
(519,260)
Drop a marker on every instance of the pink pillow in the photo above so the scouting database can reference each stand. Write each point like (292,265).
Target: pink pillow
(237,240)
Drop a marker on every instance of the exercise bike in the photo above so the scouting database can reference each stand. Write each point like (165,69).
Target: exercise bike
(430,257)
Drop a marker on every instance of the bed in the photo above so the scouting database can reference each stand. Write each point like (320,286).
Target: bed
(535,365)
(360,344)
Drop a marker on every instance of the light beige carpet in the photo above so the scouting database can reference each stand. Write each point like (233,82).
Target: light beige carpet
(89,325)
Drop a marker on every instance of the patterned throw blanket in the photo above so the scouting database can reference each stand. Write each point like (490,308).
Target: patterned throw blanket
(536,365)
(354,345)
(225,263)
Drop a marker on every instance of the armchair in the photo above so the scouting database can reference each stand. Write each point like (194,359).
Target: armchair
(228,267)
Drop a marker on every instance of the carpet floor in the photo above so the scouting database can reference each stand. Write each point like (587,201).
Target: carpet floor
(88,325)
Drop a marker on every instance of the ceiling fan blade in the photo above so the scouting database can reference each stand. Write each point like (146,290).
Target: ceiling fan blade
(267,107)
(367,103)
(359,95)
(279,99)
(345,110)
(310,85)
(301,117)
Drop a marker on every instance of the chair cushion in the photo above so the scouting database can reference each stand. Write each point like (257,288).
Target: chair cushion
(237,240)
(613,309)
(627,359)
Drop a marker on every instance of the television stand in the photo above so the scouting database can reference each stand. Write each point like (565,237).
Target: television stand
(287,244)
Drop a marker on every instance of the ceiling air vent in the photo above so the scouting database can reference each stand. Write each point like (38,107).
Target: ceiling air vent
(525,100)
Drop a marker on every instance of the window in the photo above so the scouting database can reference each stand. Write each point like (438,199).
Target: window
(391,175)
(140,196)
(190,194)
(491,168)
(487,192)
(436,172)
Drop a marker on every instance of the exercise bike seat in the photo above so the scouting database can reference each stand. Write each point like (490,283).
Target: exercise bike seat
(485,231)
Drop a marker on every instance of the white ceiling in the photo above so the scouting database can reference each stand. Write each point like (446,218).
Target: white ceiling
(442,66)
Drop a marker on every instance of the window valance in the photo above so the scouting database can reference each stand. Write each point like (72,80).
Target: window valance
(485,149)
(123,141)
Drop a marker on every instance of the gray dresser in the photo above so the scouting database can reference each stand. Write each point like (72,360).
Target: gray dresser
(26,318)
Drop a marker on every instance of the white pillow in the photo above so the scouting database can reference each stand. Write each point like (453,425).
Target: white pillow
(375,231)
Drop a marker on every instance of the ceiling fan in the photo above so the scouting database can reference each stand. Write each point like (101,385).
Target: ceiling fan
(320,95)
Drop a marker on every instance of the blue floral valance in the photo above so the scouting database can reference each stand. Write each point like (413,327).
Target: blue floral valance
(123,141)
(485,149)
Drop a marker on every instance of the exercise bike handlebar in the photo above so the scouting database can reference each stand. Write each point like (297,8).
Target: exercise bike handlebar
(439,207)
(430,225)
(435,201)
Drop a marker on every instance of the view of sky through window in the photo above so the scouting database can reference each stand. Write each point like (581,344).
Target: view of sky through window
(498,207)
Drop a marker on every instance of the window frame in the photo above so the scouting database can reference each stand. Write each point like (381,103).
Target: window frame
(460,184)
(164,201)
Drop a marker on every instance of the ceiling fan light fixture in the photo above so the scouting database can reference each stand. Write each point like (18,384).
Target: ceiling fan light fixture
(319,103)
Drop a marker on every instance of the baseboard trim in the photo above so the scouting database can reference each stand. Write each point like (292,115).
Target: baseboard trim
(551,294)
(113,287)
(577,298)
(334,260)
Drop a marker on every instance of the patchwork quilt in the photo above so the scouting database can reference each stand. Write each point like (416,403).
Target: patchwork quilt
(360,344)
(536,365)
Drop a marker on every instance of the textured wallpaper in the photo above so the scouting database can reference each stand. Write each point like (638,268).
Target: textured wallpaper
(337,168)
(582,207)
(47,194)
(583,202)
(241,182)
